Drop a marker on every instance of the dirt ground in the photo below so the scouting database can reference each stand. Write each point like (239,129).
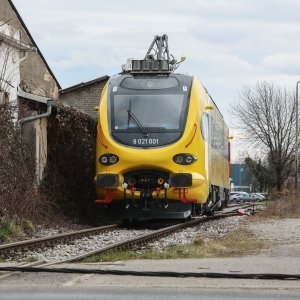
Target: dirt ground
(281,237)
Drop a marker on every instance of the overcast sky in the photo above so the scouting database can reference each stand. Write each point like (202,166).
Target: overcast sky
(228,43)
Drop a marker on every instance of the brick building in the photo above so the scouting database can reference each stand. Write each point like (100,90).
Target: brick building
(84,96)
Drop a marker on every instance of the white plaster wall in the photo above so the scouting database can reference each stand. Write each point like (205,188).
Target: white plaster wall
(9,62)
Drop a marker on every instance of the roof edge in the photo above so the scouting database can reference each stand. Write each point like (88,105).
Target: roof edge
(33,42)
(82,84)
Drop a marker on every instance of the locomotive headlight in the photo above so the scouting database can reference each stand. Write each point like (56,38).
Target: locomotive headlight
(108,159)
(178,159)
(189,159)
(104,160)
(184,159)
(113,159)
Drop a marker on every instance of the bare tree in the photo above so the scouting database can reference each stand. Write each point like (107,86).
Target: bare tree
(9,67)
(8,71)
(266,115)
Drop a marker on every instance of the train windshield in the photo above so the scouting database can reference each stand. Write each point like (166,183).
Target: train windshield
(149,112)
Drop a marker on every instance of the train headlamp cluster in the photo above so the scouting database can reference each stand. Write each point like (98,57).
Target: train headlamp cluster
(108,159)
(184,159)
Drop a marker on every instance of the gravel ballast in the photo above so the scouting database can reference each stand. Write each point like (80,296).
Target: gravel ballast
(215,228)
(211,229)
(78,246)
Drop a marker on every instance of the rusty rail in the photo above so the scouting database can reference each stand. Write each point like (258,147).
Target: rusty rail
(55,238)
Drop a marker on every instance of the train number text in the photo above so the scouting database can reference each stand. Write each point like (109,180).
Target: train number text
(145,141)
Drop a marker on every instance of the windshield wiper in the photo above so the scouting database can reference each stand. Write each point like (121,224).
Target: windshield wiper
(135,121)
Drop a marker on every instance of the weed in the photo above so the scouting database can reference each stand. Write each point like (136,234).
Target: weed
(285,204)
(9,229)
(238,243)
(31,259)
(26,224)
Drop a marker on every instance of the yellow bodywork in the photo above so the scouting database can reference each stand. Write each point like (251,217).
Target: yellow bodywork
(210,168)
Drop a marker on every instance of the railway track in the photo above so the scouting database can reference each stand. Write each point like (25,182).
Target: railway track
(144,239)
(127,243)
(51,240)
(147,238)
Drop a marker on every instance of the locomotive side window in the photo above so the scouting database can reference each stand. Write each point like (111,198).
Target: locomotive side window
(205,126)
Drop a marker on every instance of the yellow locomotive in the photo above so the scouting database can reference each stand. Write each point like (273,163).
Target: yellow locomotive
(162,146)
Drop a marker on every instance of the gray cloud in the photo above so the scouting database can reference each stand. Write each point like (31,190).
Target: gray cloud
(228,43)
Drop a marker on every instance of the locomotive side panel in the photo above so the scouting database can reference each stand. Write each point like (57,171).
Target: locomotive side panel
(219,133)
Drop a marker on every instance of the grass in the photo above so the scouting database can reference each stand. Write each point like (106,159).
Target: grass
(284,205)
(13,228)
(31,259)
(238,243)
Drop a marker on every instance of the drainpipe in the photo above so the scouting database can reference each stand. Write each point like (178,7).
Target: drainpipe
(47,114)
(49,102)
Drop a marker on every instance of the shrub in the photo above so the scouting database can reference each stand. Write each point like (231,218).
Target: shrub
(19,195)
(284,204)
(67,188)
(70,171)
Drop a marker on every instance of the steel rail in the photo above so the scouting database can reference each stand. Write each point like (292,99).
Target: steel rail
(55,238)
(127,244)
(146,238)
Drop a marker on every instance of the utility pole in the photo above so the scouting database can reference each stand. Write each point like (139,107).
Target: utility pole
(297,132)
